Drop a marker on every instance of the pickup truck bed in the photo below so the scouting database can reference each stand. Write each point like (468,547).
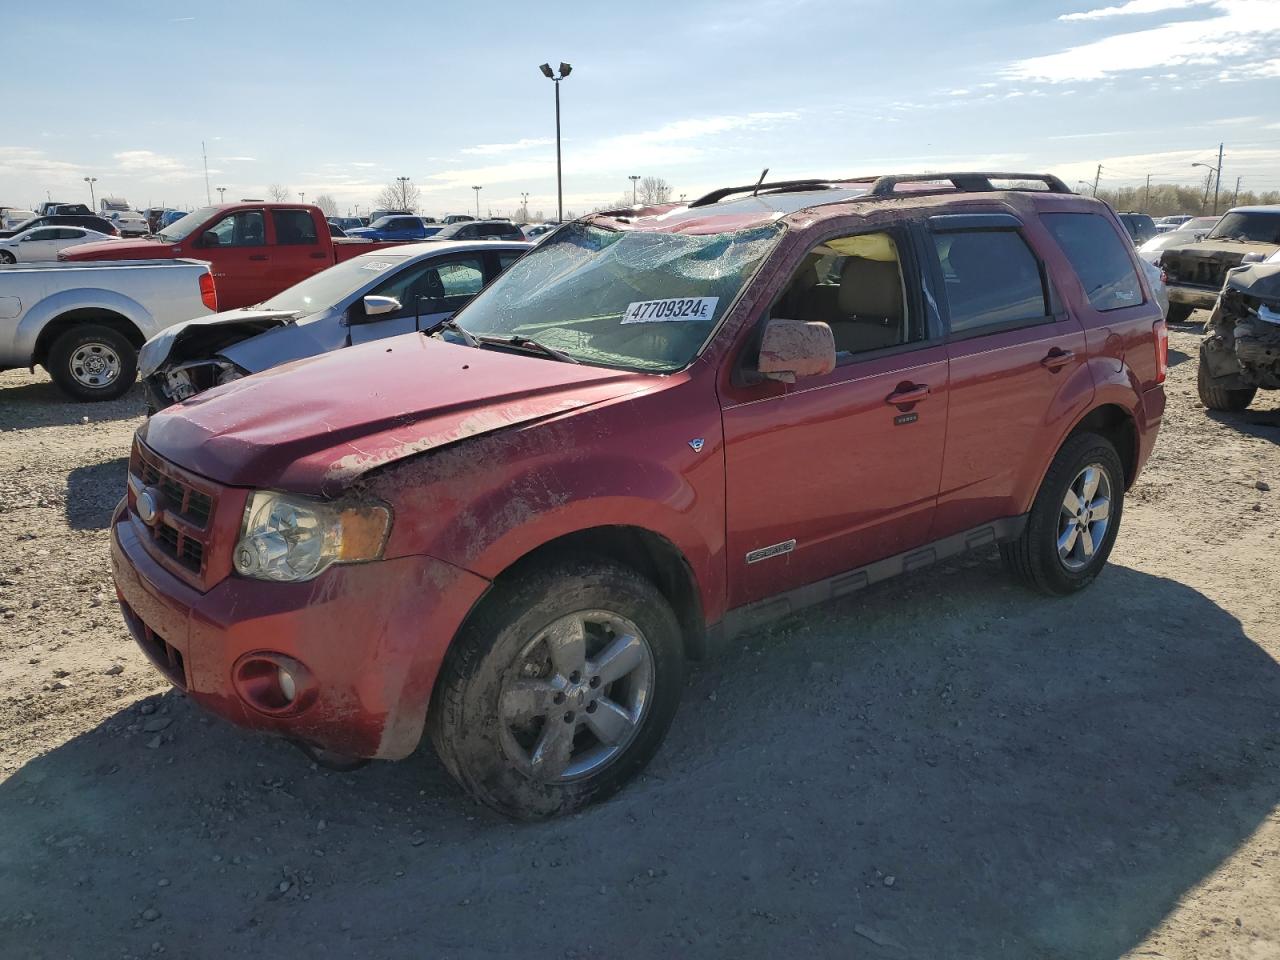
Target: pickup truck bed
(84,322)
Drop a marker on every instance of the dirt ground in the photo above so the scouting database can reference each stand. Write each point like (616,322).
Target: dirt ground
(945,766)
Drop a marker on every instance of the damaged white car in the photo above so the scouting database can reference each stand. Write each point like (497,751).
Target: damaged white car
(376,295)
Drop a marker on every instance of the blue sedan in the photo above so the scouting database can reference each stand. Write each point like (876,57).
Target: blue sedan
(396,228)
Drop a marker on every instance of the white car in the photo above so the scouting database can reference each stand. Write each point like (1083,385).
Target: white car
(13,216)
(129,223)
(43,243)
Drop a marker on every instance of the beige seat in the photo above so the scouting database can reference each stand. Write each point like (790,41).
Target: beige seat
(869,306)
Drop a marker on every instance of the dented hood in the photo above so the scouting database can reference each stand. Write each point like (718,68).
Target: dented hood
(314,425)
(1261,280)
(160,349)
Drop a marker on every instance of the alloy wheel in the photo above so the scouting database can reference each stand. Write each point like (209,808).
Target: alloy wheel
(1085,517)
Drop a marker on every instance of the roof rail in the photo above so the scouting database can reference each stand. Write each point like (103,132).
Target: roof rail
(777,186)
(964,182)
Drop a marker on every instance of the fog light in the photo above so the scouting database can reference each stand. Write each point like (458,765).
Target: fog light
(273,683)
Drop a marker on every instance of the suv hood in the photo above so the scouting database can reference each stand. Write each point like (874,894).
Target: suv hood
(315,425)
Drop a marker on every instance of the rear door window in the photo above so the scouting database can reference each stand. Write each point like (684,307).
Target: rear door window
(1100,258)
(993,281)
(243,229)
(294,227)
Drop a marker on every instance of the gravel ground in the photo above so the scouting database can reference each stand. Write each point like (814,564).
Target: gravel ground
(945,766)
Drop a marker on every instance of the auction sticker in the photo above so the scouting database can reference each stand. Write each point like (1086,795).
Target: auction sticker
(377,265)
(657,311)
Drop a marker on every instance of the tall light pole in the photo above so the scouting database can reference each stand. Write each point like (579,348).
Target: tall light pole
(634,178)
(404,192)
(1217,178)
(302,197)
(93,203)
(565,70)
(222,193)
(524,206)
(477,190)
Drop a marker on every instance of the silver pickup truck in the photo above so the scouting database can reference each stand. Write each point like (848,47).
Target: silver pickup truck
(84,322)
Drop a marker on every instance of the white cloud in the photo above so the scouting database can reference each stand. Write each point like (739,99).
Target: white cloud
(1239,29)
(153,166)
(484,149)
(1132,7)
(237,159)
(1231,121)
(34,164)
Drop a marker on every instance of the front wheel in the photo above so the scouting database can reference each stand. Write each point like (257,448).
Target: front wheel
(560,690)
(1074,520)
(1221,398)
(7,257)
(92,363)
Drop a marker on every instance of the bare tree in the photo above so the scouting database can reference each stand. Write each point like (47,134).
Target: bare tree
(328,206)
(278,193)
(401,195)
(654,190)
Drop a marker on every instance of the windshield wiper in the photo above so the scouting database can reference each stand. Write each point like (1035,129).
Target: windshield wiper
(467,336)
(528,343)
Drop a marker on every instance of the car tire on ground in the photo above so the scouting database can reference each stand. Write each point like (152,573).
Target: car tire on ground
(559,689)
(1221,398)
(1074,520)
(92,363)
(7,257)
(1179,313)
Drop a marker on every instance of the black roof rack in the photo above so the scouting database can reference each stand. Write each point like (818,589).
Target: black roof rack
(964,182)
(777,186)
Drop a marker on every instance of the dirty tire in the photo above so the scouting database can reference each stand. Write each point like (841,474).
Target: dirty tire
(1033,557)
(63,355)
(465,724)
(1179,313)
(1221,398)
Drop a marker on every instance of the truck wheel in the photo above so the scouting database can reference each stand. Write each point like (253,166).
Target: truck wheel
(92,363)
(1221,398)
(1179,312)
(559,690)
(1074,520)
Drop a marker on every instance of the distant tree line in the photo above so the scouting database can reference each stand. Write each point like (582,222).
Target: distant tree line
(1166,199)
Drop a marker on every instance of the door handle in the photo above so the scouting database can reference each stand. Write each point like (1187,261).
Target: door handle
(257,256)
(907,393)
(1057,358)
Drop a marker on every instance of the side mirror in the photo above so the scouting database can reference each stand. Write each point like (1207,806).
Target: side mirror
(378,306)
(791,349)
(209,239)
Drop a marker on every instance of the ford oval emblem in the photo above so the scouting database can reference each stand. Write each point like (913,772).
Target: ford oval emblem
(147,505)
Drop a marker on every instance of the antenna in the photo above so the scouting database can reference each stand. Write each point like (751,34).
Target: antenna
(208,197)
(763,173)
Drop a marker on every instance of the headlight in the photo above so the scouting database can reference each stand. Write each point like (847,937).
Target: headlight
(287,537)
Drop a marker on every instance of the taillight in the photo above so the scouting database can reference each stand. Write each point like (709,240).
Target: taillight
(208,292)
(1162,350)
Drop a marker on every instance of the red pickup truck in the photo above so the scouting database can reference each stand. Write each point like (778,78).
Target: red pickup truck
(658,429)
(254,249)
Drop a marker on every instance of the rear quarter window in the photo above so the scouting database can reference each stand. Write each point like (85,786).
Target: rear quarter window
(993,281)
(1100,258)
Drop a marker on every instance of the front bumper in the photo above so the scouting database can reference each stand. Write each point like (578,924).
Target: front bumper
(371,635)
(1191,295)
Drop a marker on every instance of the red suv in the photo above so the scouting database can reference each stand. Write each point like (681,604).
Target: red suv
(657,430)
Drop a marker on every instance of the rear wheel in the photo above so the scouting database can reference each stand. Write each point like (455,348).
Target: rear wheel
(1179,312)
(92,363)
(560,690)
(1221,398)
(1074,520)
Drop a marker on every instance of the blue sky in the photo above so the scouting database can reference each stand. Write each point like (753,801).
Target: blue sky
(341,98)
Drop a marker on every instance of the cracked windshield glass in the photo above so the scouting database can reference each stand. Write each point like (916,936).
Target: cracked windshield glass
(621,298)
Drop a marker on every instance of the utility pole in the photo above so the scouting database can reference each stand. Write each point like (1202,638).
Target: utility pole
(404,192)
(1217,181)
(634,179)
(1146,201)
(477,190)
(208,194)
(1096,177)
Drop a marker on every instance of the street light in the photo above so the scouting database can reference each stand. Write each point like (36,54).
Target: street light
(634,180)
(92,201)
(404,192)
(302,197)
(477,190)
(524,206)
(221,194)
(1217,179)
(565,70)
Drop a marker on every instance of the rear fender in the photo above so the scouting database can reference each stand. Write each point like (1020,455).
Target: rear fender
(84,298)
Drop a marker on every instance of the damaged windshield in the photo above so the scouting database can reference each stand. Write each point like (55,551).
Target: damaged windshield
(1248,226)
(621,298)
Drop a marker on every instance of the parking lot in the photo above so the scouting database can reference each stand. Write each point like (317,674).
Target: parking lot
(944,766)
